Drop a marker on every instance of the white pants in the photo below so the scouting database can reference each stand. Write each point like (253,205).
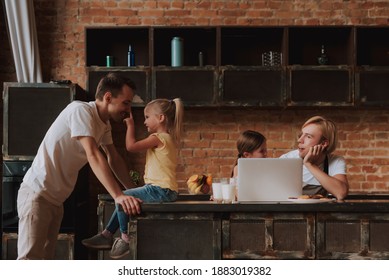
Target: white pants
(39,224)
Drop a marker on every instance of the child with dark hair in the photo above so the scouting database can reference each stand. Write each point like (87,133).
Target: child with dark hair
(250,144)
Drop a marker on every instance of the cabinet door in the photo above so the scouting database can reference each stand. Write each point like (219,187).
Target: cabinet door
(196,87)
(268,236)
(175,236)
(320,86)
(373,86)
(352,236)
(139,75)
(254,86)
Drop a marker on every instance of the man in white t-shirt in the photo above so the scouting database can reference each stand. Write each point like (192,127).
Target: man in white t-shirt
(323,172)
(72,141)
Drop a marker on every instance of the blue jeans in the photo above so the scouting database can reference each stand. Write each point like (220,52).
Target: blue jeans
(147,193)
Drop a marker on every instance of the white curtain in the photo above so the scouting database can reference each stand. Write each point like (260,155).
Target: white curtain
(24,40)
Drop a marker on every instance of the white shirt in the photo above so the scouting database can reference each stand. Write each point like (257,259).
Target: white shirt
(60,156)
(336,165)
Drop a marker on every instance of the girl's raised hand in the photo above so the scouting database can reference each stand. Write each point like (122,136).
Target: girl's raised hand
(129,121)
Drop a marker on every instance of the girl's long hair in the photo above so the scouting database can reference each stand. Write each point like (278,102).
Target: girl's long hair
(248,141)
(174,112)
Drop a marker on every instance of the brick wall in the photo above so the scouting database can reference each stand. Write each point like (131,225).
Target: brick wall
(209,146)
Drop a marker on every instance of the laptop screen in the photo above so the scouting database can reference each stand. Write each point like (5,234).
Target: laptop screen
(269,179)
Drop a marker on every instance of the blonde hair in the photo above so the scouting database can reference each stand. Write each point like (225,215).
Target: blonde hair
(174,112)
(328,130)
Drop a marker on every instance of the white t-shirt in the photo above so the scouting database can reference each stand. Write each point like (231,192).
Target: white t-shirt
(60,156)
(336,165)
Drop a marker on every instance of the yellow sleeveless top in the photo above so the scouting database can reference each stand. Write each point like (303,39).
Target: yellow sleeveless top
(161,163)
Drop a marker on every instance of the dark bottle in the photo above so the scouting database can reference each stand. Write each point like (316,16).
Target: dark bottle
(322,59)
(130,57)
(201,59)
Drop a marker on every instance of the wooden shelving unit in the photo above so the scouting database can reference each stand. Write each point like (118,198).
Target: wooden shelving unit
(233,73)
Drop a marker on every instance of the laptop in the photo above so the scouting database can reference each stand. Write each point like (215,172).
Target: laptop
(269,179)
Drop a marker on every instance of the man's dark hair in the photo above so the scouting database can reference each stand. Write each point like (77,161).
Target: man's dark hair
(113,82)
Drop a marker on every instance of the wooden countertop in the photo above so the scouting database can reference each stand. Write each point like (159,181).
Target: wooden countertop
(196,203)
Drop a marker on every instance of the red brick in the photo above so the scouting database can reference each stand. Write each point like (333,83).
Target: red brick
(196,144)
(151,13)
(176,13)
(94,12)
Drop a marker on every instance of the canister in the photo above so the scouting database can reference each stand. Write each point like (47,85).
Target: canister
(109,61)
(177,50)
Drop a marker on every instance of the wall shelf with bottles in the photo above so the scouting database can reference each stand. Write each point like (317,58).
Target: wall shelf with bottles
(105,41)
(282,66)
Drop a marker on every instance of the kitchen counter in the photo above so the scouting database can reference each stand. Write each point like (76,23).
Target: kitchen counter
(201,203)
(201,229)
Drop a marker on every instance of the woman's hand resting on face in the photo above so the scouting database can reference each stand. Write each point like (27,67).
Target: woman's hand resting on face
(315,154)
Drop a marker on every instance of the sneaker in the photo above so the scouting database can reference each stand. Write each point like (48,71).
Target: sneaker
(98,241)
(119,249)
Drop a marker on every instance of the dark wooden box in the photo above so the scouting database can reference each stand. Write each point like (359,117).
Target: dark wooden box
(63,251)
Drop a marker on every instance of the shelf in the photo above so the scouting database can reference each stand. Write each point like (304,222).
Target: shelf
(195,40)
(114,41)
(305,45)
(245,46)
(233,73)
(373,46)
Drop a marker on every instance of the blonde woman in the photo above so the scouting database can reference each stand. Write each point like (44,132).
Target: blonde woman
(323,172)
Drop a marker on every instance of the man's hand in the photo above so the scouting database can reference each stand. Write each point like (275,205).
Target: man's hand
(315,154)
(130,204)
